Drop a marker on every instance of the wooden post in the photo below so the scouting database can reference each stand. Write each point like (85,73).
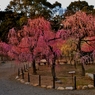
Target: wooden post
(74,82)
(22,73)
(28,77)
(53,82)
(94,79)
(72,73)
(39,80)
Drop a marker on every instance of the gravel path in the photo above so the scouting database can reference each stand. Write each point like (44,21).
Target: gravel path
(13,87)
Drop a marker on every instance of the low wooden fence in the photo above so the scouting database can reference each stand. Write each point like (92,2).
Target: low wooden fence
(65,81)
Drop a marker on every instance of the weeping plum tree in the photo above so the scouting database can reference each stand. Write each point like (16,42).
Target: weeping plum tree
(4,48)
(80,26)
(25,41)
(54,45)
(68,50)
(34,39)
(13,41)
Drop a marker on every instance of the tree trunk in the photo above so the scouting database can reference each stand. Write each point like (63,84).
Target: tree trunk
(79,48)
(53,69)
(53,73)
(34,67)
(83,69)
(71,59)
(48,63)
(75,64)
(2,59)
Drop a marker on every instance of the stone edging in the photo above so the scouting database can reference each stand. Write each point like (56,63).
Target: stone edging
(58,88)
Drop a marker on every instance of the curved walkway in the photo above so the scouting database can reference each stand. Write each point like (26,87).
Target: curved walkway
(13,87)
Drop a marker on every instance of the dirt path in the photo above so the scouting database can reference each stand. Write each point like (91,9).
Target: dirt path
(13,87)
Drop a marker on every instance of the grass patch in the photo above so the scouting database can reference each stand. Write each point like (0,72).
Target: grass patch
(90,70)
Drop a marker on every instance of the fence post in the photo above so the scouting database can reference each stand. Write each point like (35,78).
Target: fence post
(28,77)
(94,79)
(53,82)
(39,80)
(74,82)
(22,73)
